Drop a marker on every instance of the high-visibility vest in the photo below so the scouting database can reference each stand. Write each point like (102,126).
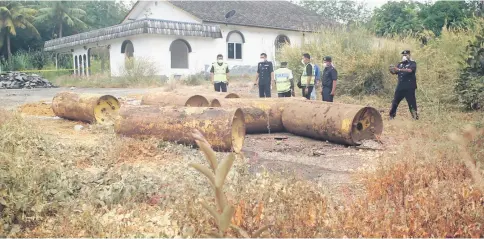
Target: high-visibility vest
(219,72)
(283,82)
(304,77)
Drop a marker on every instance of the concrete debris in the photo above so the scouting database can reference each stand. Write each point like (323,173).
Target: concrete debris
(20,80)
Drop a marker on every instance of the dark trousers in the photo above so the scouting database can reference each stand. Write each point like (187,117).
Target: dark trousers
(327,94)
(310,89)
(409,95)
(220,86)
(265,91)
(285,94)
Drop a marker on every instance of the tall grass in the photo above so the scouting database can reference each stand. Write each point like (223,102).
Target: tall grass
(362,61)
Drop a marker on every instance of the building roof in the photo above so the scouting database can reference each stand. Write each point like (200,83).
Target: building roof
(143,26)
(271,14)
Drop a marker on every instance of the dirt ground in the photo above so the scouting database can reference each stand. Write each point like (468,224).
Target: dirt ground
(330,165)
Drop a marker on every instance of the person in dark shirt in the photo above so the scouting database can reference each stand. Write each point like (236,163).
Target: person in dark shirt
(219,74)
(407,85)
(265,76)
(307,76)
(330,75)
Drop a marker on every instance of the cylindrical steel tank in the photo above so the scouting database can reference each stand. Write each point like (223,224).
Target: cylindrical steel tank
(174,99)
(89,108)
(338,123)
(224,129)
(261,115)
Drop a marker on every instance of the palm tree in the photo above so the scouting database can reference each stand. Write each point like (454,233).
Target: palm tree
(14,15)
(60,13)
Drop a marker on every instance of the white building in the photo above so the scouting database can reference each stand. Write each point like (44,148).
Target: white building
(184,37)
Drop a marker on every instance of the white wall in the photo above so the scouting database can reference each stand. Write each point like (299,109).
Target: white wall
(257,41)
(161,10)
(156,49)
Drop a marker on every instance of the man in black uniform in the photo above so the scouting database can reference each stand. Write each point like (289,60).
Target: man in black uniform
(330,75)
(265,76)
(407,85)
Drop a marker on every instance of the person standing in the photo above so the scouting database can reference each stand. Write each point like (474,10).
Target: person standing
(307,76)
(330,75)
(317,78)
(284,80)
(219,74)
(265,76)
(407,85)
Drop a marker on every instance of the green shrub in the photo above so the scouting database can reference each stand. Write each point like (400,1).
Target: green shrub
(470,85)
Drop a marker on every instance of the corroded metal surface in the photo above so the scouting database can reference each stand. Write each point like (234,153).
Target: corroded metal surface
(143,26)
(338,123)
(89,108)
(224,129)
(261,115)
(174,99)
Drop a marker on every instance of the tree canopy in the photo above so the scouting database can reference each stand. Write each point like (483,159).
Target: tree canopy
(32,23)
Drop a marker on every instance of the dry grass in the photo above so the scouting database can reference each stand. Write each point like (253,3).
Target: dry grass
(38,109)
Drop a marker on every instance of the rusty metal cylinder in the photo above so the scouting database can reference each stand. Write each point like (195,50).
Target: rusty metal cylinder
(215,97)
(91,108)
(174,99)
(259,113)
(224,129)
(338,123)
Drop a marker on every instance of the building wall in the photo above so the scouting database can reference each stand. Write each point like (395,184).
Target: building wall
(156,49)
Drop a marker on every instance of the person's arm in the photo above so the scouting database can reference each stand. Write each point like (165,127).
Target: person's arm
(412,68)
(211,73)
(335,77)
(257,75)
(273,79)
(309,73)
(227,71)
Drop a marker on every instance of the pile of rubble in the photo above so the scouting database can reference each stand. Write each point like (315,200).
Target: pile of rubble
(20,80)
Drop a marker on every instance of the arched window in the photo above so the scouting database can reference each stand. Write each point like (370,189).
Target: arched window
(127,49)
(179,54)
(81,67)
(89,61)
(76,65)
(281,40)
(235,40)
(84,61)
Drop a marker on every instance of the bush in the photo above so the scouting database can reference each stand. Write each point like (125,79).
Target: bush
(138,68)
(470,85)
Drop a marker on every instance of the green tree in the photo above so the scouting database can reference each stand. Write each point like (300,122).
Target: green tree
(61,14)
(14,15)
(339,11)
(397,18)
(447,14)
(104,13)
(470,85)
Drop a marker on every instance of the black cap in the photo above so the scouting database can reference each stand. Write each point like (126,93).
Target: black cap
(284,63)
(405,52)
(327,58)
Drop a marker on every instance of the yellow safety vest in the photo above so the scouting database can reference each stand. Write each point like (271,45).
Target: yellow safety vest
(304,77)
(283,82)
(219,72)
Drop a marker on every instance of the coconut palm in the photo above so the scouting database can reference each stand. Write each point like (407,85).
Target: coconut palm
(14,15)
(60,13)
